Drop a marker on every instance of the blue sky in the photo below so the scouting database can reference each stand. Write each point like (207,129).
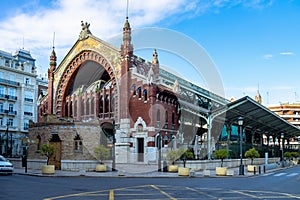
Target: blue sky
(252,43)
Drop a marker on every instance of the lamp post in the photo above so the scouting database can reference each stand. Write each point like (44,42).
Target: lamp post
(282,149)
(114,147)
(158,140)
(240,123)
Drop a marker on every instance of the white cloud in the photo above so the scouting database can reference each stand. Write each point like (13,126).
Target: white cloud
(33,28)
(286,53)
(268,56)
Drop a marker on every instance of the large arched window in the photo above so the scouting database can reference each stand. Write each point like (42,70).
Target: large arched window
(92,105)
(87,112)
(140,93)
(82,107)
(145,95)
(107,104)
(158,118)
(101,105)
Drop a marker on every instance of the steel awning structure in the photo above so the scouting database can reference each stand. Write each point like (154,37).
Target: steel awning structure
(257,117)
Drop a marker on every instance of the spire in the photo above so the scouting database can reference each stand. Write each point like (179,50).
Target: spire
(154,57)
(127,47)
(53,56)
(258,96)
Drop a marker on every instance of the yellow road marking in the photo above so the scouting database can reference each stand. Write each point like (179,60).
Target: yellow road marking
(163,192)
(111,195)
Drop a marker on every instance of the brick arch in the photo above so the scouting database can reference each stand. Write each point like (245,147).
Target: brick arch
(71,69)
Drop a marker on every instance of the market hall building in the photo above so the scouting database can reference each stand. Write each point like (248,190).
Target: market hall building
(100,94)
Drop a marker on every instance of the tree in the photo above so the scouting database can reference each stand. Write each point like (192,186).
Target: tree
(47,150)
(287,155)
(102,153)
(252,153)
(173,156)
(295,154)
(221,154)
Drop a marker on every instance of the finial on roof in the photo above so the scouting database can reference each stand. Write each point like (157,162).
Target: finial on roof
(85,31)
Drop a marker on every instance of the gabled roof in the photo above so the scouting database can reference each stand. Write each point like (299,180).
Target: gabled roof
(258,117)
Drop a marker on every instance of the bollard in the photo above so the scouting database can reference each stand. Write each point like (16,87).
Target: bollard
(264,169)
(254,170)
(259,170)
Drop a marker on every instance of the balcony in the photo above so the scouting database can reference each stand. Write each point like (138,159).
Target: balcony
(11,98)
(8,82)
(28,113)
(28,100)
(10,112)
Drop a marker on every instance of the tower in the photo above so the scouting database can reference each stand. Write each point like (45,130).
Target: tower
(52,67)
(127,61)
(155,65)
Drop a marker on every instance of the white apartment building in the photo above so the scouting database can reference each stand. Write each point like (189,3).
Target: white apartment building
(18,99)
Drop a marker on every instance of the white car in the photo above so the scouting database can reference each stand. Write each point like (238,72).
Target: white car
(6,167)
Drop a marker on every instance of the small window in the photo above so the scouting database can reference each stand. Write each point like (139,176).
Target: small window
(140,128)
(38,146)
(27,81)
(77,143)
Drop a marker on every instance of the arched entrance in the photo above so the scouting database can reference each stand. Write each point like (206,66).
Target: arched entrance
(87,88)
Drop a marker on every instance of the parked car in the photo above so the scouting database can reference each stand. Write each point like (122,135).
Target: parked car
(6,167)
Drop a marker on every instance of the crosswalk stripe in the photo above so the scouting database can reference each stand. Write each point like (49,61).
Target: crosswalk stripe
(292,174)
(280,174)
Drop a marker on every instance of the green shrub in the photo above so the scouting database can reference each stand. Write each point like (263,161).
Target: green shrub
(47,150)
(221,154)
(252,153)
(102,153)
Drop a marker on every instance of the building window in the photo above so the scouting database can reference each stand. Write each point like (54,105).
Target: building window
(77,143)
(27,81)
(26,124)
(10,108)
(11,92)
(12,77)
(173,118)
(134,90)
(140,93)
(38,146)
(28,110)
(158,118)
(166,117)
(145,95)
(1,121)
(28,96)
(1,107)
(140,128)
(10,122)
(2,91)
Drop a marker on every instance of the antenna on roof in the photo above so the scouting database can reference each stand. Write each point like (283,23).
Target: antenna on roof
(53,39)
(23,43)
(127,9)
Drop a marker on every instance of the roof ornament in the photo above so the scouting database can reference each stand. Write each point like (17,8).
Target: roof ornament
(85,31)
(176,86)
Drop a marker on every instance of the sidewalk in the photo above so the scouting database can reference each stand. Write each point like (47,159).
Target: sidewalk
(130,171)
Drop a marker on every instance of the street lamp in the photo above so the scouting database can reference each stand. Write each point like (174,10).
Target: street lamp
(240,123)
(158,142)
(114,147)
(282,149)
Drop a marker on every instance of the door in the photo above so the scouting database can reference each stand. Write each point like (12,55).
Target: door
(56,158)
(140,148)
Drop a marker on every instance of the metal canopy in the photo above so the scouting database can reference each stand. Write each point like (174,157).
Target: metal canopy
(257,116)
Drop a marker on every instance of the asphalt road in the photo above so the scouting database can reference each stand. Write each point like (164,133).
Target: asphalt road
(284,184)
